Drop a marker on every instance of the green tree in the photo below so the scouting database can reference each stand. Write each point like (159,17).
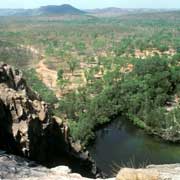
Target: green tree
(60,74)
(73,64)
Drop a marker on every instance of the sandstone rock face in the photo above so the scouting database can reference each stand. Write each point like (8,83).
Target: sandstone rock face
(138,174)
(27,127)
(152,172)
(15,168)
(167,171)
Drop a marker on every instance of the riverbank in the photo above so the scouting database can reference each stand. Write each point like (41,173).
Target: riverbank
(121,144)
(165,134)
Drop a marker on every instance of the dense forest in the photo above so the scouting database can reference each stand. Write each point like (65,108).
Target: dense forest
(106,67)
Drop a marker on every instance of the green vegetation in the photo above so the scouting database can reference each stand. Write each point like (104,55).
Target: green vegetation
(141,96)
(116,66)
(73,64)
(11,53)
(60,74)
(38,86)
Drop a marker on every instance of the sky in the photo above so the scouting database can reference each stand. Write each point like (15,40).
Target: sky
(90,4)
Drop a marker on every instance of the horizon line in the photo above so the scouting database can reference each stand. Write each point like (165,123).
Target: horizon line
(151,8)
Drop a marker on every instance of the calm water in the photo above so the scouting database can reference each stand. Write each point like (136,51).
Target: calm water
(122,144)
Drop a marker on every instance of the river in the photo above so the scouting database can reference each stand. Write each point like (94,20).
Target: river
(122,144)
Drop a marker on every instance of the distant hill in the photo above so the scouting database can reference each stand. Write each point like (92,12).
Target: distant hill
(10,12)
(44,10)
(108,10)
(68,9)
(118,11)
(63,9)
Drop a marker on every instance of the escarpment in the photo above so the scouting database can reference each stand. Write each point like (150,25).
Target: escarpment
(27,127)
(25,122)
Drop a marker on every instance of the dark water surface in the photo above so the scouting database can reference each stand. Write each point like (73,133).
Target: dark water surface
(122,144)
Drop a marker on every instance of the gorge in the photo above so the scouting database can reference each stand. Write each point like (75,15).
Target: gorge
(29,129)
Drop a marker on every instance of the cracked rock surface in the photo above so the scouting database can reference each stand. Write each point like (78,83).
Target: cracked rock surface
(15,168)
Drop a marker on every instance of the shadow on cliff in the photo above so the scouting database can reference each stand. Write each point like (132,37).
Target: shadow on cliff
(46,141)
(49,147)
(7,141)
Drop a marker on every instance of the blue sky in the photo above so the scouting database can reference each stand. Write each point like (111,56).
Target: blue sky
(88,4)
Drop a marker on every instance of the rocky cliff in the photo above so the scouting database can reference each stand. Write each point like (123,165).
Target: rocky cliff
(27,127)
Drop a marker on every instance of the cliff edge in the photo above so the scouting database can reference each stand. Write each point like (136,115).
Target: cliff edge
(28,128)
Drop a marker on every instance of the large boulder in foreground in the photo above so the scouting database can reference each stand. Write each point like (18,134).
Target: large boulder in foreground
(151,172)
(28,128)
(15,168)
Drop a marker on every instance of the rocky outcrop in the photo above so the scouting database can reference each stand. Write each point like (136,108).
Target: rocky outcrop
(15,168)
(28,128)
(137,174)
(167,171)
(152,172)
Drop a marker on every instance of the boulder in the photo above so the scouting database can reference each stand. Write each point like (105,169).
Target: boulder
(15,168)
(151,172)
(138,174)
